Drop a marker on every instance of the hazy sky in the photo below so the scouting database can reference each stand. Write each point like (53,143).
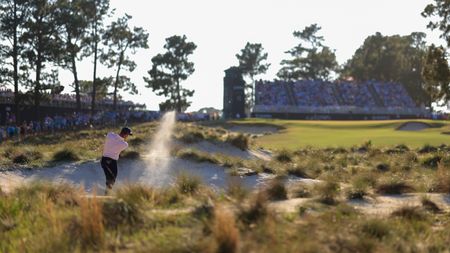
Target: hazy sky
(221,28)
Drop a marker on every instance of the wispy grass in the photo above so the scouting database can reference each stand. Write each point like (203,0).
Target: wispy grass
(328,192)
(225,231)
(276,190)
(188,184)
(66,155)
(239,140)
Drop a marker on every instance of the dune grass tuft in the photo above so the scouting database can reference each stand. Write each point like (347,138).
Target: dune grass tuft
(276,190)
(188,184)
(65,155)
(239,140)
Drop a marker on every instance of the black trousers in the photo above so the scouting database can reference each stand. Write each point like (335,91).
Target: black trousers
(110,168)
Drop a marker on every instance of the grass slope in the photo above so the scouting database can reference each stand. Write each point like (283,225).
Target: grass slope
(300,133)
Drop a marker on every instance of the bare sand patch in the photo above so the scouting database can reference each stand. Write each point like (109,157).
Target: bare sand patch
(413,126)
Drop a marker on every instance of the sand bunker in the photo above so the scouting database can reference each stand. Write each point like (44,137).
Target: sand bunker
(413,126)
(90,175)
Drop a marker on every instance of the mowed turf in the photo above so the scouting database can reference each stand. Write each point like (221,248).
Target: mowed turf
(300,133)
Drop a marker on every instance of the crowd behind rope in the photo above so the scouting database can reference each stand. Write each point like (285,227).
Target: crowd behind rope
(77,121)
(319,94)
(74,121)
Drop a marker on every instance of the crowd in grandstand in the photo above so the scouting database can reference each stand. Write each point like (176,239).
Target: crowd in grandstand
(317,93)
(393,95)
(313,93)
(269,94)
(356,94)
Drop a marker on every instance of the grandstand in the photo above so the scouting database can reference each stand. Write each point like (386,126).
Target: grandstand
(317,99)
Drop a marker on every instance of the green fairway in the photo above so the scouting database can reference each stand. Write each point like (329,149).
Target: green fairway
(301,133)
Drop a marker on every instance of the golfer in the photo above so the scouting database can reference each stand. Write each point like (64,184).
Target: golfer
(114,144)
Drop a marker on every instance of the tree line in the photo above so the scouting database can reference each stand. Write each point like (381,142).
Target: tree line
(38,37)
(424,70)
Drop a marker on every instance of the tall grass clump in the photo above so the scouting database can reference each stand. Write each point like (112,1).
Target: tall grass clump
(432,161)
(65,155)
(239,140)
(236,190)
(427,148)
(302,191)
(64,194)
(284,156)
(359,188)
(120,213)
(188,184)
(197,156)
(60,194)
(441,182)
(375,228)
(256,211)
(225,232)
(276,190)
(192,136)
(412,213)
(23,155)
(429,205)
(136,194)
(92,232)
(393,186)
(328,192)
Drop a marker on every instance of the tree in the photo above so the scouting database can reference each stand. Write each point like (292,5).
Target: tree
(251,64)
(73,17)
(120,39)
(440,9)
(436,73)
(391,58)
(102,87)
(13,14)
(41,42)
(98,10)
(169,69)
(310,61)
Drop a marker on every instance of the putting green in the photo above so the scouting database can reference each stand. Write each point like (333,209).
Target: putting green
(301,133)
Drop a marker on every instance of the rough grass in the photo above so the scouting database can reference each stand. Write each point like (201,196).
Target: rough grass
(328,192)
(188,184)
(394,187)
(256,210)
(133,220)
(197,156)
(284,156)
(412,213)
(225,231)
(65,155)
(441,182)
(239,140)
(276,190)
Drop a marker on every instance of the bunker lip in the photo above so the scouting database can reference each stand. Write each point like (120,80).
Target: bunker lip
(414,126)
